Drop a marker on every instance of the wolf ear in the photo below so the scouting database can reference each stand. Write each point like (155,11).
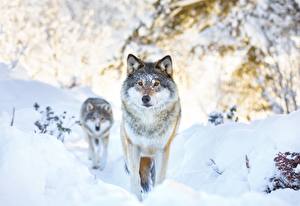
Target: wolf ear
(89,106)
(165,64)
(107,108)
(133,64)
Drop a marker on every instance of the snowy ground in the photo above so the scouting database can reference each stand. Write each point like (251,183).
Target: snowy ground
(207,165)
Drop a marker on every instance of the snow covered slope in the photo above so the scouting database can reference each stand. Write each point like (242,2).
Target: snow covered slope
(207,165)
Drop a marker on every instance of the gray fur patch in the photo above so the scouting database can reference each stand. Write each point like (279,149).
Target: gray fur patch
(101,109)
(96,141)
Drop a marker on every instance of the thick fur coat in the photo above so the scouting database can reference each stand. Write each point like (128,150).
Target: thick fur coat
(151,115)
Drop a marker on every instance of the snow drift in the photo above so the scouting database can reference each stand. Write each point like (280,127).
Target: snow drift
(229,164)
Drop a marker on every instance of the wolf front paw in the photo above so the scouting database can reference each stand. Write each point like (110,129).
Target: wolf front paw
(99,166)
(95,167)
(102,165)
(137,190)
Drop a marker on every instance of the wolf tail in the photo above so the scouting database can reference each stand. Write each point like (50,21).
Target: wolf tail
(147,173)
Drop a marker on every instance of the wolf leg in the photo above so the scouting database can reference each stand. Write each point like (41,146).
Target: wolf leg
(90,149)
(146,169)
(161,163)
(96,152)
(125,152)
(134,166)
(103,157)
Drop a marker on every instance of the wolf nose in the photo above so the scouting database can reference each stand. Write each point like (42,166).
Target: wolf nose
(97,128)
(146,99)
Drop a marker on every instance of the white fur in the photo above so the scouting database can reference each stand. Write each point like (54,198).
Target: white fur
(153,141)
(157,100)
(160,101)
(160,97)
(135,97)
(135,65)
(91,125)
(104,125)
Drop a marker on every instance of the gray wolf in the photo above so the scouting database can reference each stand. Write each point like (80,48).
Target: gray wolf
(151,114)
(96,119)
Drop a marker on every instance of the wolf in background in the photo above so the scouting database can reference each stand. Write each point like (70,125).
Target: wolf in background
(96,120)
(151,114)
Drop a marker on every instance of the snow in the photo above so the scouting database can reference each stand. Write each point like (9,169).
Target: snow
(178,194)
(38,170)
(207,163)
(297,170)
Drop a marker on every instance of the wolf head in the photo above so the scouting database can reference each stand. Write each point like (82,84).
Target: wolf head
(149,84)
(97,115)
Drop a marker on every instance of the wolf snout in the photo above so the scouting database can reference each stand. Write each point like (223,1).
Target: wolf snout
(146,99)
(97,128)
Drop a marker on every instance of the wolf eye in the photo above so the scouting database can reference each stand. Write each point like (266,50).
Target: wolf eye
(156,83)
(102,119)
(140,83)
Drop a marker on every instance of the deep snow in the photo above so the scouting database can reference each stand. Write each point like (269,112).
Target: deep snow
(207,164)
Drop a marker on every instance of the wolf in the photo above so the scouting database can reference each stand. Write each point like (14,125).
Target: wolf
(151,113)
(96,119)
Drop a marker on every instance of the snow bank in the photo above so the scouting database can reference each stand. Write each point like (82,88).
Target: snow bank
(173,193)
(214,158)
(38,170)
(207,163)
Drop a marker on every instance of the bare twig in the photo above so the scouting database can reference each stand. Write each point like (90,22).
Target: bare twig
(13,117)
(248,170)
(214,166)
(247,163)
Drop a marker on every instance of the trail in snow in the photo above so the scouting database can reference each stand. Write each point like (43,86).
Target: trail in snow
(207,163)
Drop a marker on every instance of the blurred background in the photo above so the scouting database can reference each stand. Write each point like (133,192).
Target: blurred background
(243,53)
